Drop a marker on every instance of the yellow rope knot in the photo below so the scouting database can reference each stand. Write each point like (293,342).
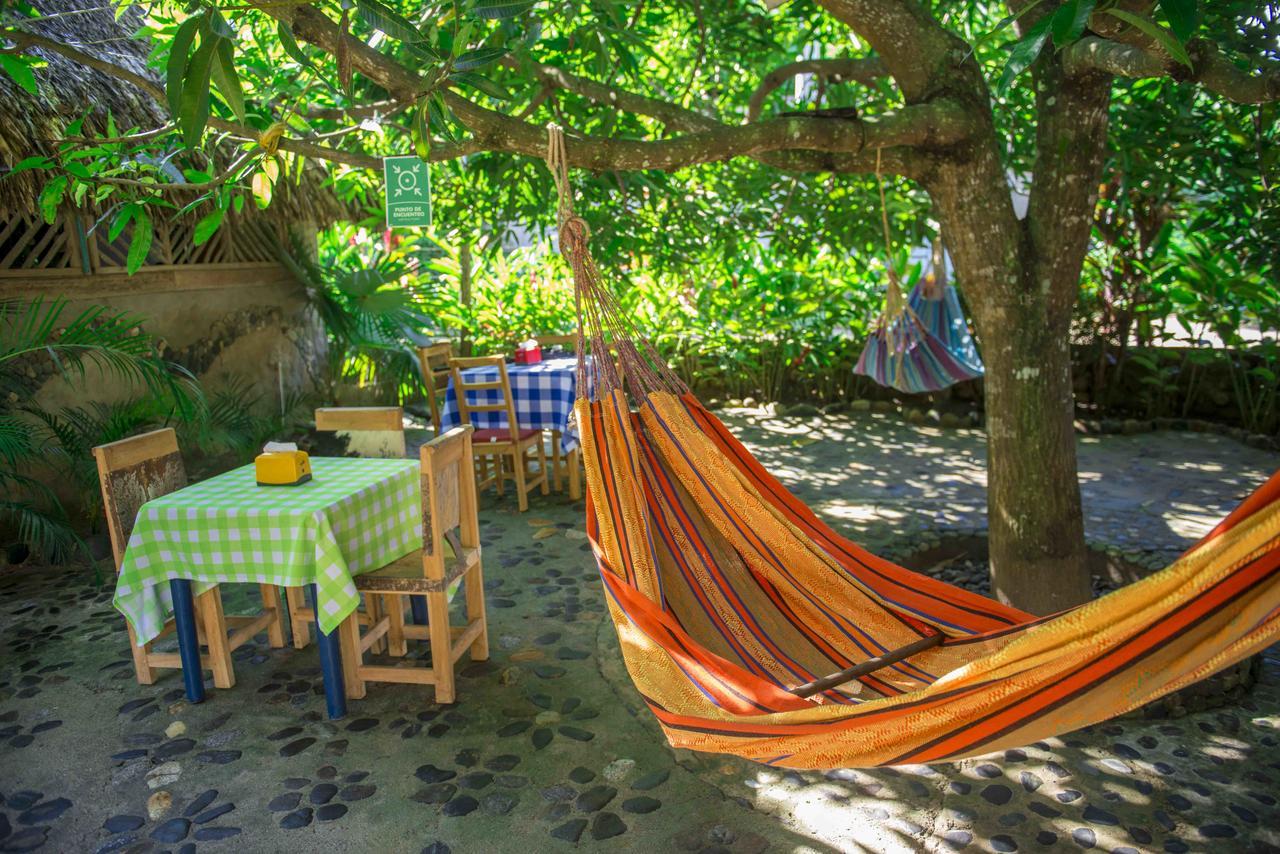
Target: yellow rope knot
(270,138)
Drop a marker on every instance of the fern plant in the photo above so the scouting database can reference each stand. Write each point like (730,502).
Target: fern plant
(42,335)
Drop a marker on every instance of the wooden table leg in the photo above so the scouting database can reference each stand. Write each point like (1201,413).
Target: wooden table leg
(184,618)
(335,692)
(297,624)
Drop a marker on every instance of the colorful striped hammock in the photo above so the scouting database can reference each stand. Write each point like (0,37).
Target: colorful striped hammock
(728,594)
(921,345)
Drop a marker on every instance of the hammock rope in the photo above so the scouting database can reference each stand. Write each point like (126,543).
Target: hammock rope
(741,615)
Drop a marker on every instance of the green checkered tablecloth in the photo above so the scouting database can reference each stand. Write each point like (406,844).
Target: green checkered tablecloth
(353,516)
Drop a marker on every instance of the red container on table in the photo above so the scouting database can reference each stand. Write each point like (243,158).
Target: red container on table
(532,356)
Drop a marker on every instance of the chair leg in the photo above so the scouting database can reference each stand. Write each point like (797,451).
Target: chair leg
(142,669)
(209,606)
(298,625)
(352,657)
(517,466)
(441,645)
(473,581)
(575,475)
(394,606)
(271,602)
(544,487)
(500,464)
(373,606)
(556,458)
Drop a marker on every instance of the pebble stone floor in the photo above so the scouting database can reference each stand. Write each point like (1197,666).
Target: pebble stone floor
(548,749)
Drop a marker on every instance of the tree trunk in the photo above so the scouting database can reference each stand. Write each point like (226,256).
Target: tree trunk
(1036,526)
(1035,523)
(464,292)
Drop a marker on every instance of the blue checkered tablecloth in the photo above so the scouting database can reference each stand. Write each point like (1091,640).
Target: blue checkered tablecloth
(544,394)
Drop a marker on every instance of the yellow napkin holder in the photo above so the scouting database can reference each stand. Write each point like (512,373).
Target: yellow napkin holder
(282,468)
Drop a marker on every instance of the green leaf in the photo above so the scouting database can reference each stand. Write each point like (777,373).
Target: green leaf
(207,226)
(35,162)
(51,197)
(1157,32)
(19,69)
(484,84)
(176,66)
(261,186)
(219,27)
(494,10)
(1024,52)
(225,77)
(123,216)
(478,58)
(1069,21)
(1182,15)
(438,116)
(140,245)
(291,47)
(194,113)
(421,132)
(391,22)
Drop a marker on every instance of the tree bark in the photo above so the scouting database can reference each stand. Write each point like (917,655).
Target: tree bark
(1035,522)
(464,291)
(1036,526)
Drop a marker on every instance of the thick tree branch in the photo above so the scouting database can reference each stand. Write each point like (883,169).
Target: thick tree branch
(672,115)
(923,126)
(929,125)
(1210,68)
(910,42)
(864,70)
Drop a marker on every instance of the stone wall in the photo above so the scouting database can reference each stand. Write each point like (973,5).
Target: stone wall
(250,322)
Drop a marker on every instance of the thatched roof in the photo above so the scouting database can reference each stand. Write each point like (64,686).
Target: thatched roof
(67,90)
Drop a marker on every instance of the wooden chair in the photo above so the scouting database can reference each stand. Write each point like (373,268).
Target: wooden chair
(132,472)
(568,343)
(502,444)
(370,431)
(433,361)
(450,551)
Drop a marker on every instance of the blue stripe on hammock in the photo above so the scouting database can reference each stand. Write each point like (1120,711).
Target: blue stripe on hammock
(930,353)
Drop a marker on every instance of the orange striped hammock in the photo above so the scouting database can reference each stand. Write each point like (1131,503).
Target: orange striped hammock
(726,592)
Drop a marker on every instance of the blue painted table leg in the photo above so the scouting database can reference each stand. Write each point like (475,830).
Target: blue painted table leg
(418,607)
(335,690)
(184,618)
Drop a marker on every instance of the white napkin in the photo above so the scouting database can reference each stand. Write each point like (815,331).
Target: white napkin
(279,447)
(527,345)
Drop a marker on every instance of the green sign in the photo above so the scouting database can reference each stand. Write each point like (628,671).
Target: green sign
(407,188)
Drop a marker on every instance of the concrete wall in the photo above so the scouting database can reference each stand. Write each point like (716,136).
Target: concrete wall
(247,320)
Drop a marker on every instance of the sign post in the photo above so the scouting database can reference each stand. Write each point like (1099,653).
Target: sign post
(407,190)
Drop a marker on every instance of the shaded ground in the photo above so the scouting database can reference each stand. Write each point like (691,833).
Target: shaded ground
(547,746)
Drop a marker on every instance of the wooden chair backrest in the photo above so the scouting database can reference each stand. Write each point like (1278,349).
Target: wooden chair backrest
(449,500)
(433,361)
(566,342)
(370,431)
(462,385)
(132,472)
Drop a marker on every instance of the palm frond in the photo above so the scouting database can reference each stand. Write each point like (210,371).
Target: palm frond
(112,341)
(45,532)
